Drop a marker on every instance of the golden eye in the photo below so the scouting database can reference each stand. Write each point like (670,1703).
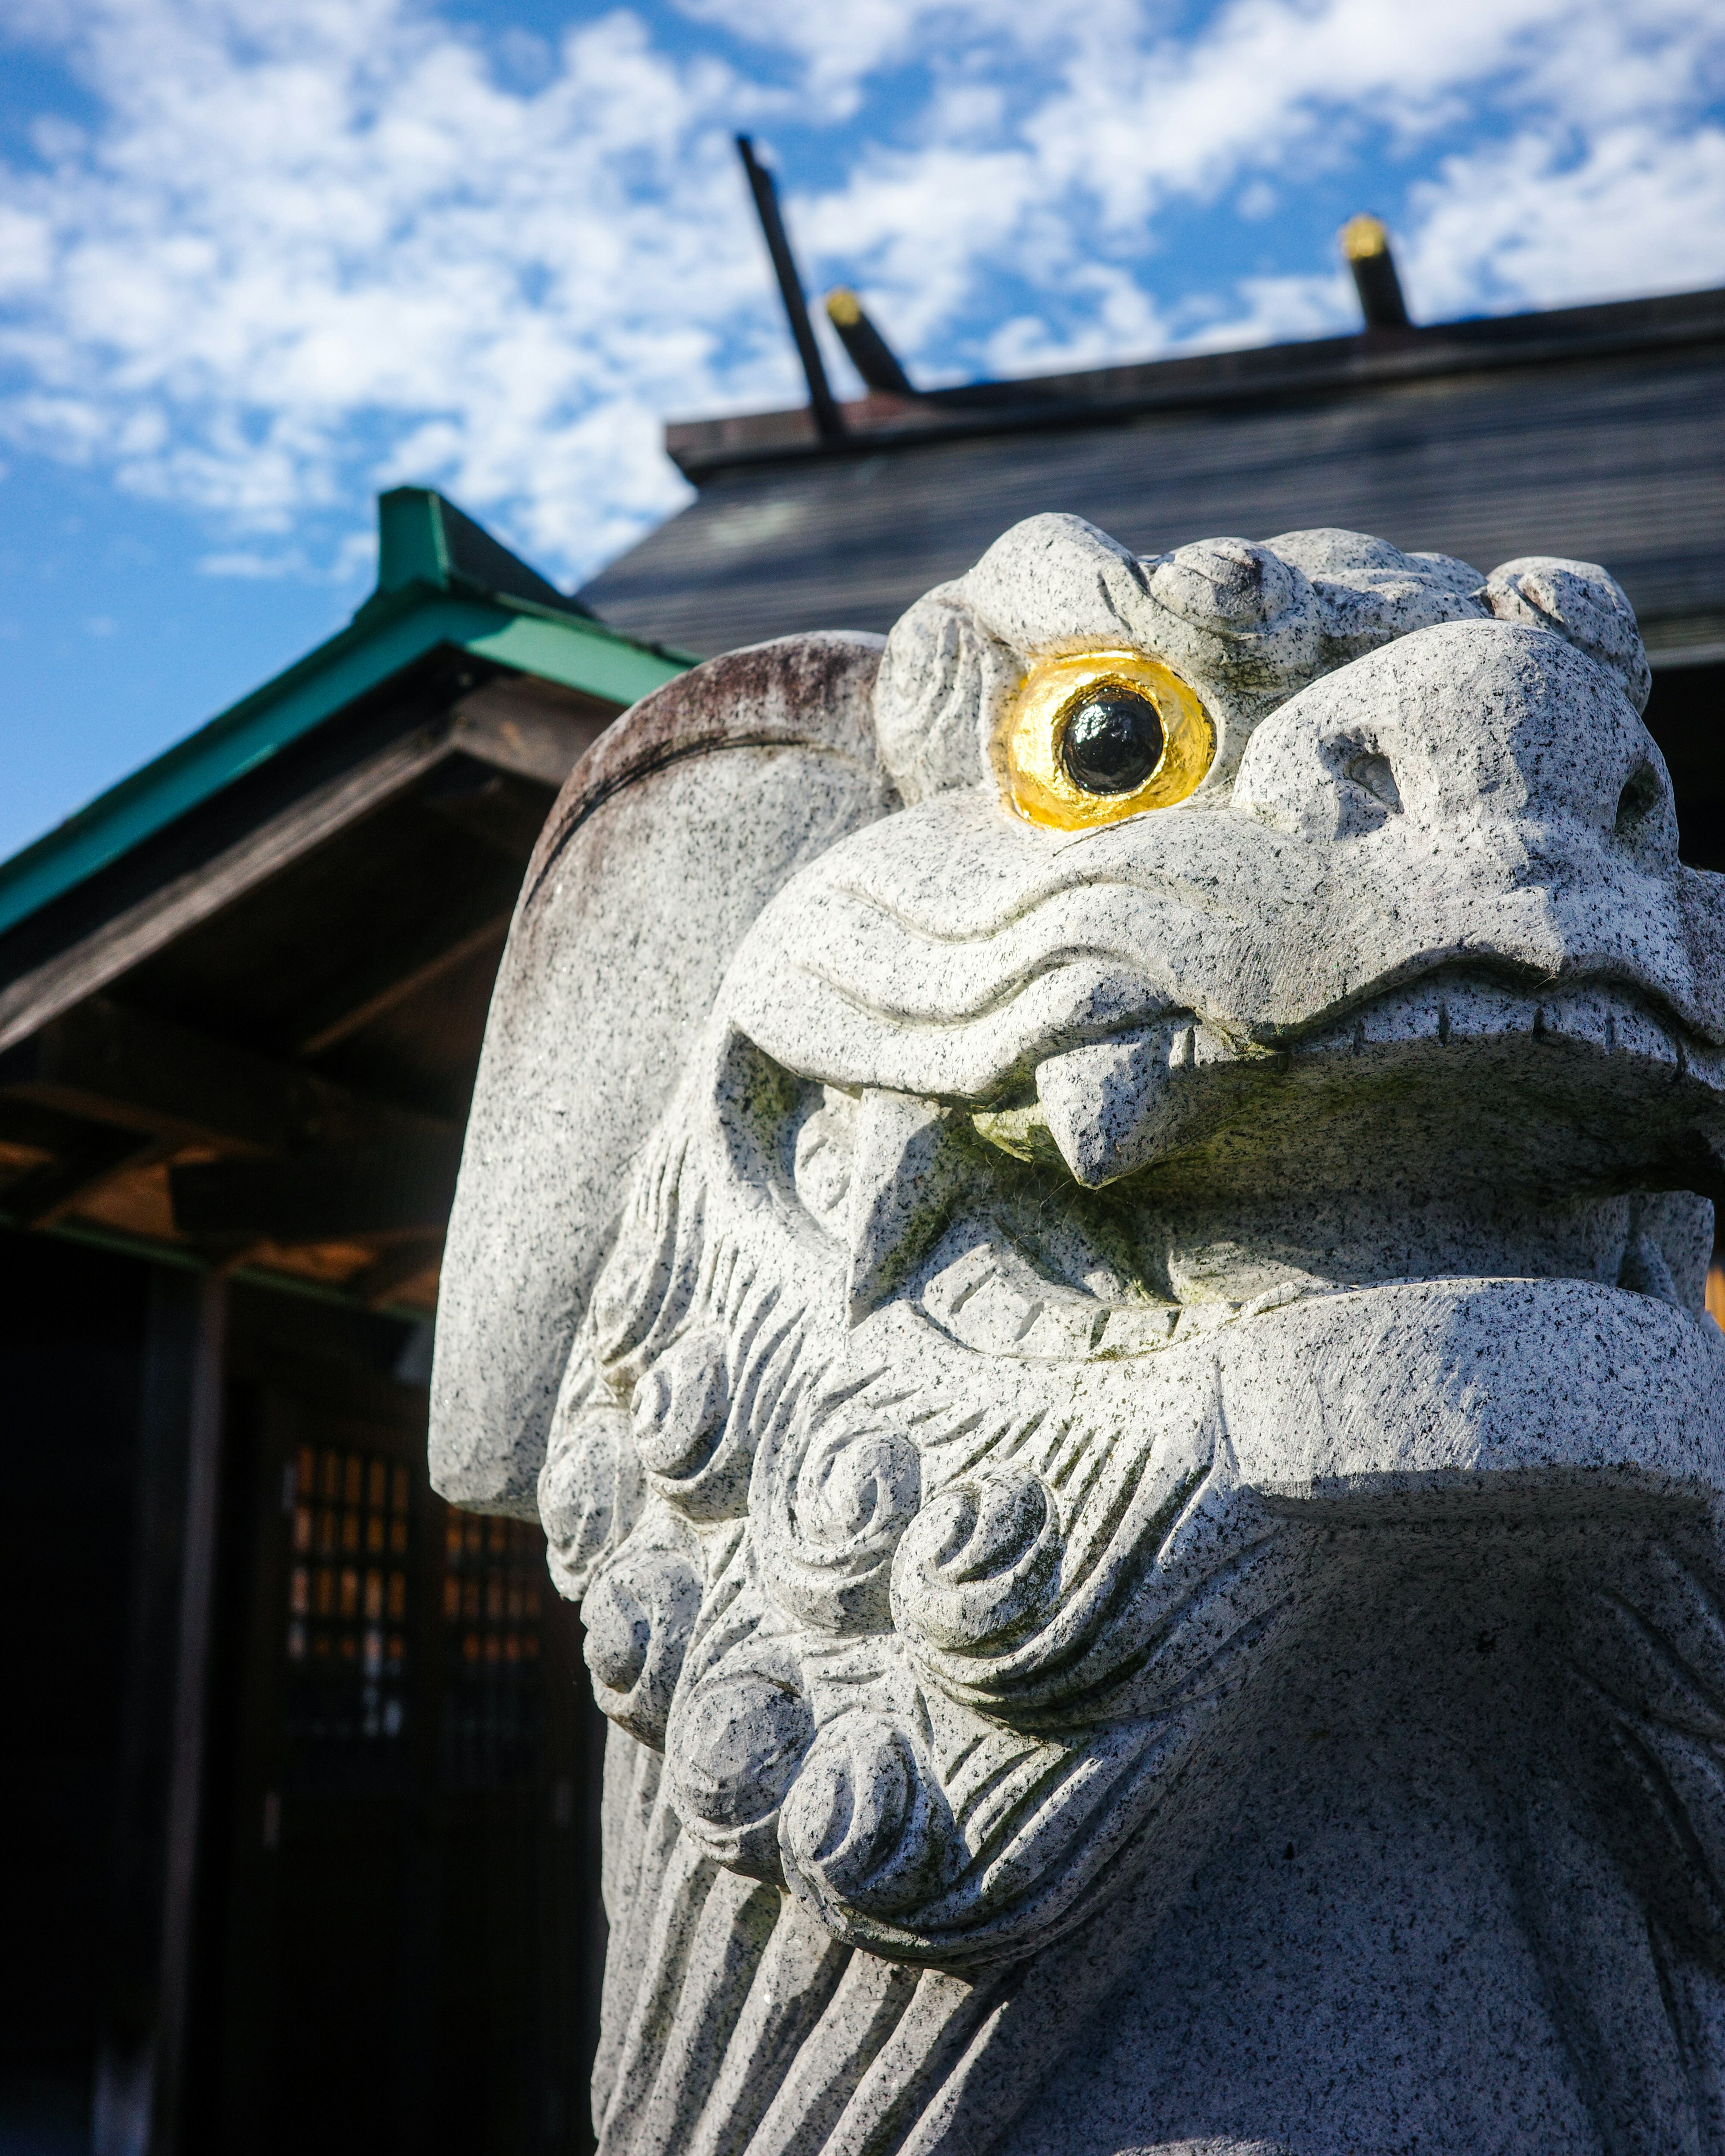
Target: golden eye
(1095,736)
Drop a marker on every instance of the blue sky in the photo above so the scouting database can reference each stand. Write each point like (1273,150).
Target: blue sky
(257,259)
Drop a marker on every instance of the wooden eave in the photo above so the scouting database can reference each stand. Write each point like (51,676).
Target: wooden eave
(241,994)
(1596,432)
(1259,375)
(393,630)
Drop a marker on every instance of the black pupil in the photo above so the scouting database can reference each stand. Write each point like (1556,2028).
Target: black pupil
(1113,741)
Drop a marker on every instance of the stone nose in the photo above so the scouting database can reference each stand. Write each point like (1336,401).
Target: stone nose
(1479,731)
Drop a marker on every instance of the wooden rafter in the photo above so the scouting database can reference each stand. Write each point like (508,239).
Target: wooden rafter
(401,1190)
(112,1064)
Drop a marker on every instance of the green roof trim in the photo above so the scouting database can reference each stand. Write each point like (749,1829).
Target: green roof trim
(443,581)
(424,539)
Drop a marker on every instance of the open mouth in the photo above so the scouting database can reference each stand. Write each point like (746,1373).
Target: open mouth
(1166,1180)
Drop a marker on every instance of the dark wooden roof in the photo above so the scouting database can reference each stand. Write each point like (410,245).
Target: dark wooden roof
(1597,432)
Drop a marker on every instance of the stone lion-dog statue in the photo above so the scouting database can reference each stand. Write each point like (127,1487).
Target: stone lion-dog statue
(1087,1226)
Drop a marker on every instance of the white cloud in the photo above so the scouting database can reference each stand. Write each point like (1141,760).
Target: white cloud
(835,47)
(303,252)
(1126,129)
(1540,220)
(252,566)
(310,237)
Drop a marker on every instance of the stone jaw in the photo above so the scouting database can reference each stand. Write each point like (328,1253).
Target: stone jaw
(949,1473)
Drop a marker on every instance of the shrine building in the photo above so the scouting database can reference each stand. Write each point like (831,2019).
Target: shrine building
(303,1811)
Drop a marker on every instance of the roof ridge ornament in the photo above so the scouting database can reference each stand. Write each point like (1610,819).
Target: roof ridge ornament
(828,420)
(868,351)
(423,538)
(1365,247)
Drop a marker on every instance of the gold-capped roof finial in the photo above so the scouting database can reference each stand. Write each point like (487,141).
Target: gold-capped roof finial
(870,354)
(1364,236)
(1365,244)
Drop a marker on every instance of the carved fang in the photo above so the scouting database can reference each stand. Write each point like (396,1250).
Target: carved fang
(1122,1103)
(906,1170)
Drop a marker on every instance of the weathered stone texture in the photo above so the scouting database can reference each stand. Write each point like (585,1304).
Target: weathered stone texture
(1130,1410)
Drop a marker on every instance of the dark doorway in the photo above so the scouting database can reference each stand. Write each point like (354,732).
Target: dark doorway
(399,1924)
(395,1935)
(72,1327)
(1686,715)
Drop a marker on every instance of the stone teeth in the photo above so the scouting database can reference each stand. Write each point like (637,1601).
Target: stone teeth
(1645,1271)
(1122,1103)
(907,1168)
(1463,1012)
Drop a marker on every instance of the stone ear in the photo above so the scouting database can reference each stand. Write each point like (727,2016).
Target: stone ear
(1583,604)
(670,837)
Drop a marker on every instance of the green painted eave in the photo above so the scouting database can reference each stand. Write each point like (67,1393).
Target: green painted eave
(395,627)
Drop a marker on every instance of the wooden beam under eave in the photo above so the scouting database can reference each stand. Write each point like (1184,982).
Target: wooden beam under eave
(397,1268)
(109,1064)
(529,729)
(504,813)
(455,925)
(137,932)
(534,729)
(400,1190)
(58,1187)
(403,988)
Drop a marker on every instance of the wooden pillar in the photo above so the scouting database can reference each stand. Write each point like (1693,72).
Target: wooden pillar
(138,2093)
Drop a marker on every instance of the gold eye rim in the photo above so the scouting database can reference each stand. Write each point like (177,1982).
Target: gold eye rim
(1038,784)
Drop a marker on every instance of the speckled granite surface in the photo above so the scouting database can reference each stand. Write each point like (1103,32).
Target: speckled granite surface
(1122,1380)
